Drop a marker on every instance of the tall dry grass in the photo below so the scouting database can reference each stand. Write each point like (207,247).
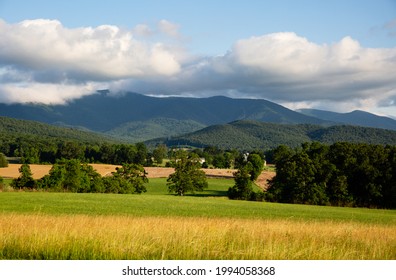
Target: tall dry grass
(118,237)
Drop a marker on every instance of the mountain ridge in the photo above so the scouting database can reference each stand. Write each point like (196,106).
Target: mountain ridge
(356,117)
(105,113)
(132,116)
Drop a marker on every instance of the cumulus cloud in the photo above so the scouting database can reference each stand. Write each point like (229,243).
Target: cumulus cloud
(43,61)
(285,67)
(302,70)
(44,52)
(102,52)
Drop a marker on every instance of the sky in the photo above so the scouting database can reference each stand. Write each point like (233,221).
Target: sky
(332,55)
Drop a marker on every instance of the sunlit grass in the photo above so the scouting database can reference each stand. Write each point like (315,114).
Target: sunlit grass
(159,225)
(216,187)
(115,237)
(188,206)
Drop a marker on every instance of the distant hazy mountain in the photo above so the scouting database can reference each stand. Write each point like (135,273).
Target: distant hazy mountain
(120,115)
(250,135)
(355,118)
(135,117)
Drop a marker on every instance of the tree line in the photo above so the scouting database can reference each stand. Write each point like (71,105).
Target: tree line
(36,151)
(74,176)
(49,151)
(342,174)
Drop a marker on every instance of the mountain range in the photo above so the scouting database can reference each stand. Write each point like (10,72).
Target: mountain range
(356,117)
(134,117)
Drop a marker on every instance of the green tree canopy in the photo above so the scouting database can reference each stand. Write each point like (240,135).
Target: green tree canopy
(25,179)
(1,183)
(3,160)
(160,153)
(187,177)
(243,184)
(340,174)
(130,178)
(257,166)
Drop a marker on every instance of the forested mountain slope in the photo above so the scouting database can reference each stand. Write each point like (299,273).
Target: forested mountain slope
(11,128)
(250,135)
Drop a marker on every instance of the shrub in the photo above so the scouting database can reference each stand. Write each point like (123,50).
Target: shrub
(3,160)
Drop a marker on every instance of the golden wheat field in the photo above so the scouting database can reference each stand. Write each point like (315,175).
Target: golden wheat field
(35,236)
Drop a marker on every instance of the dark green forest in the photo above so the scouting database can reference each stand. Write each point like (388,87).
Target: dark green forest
(249,135)
(14,128)
(35,142)
(342,174)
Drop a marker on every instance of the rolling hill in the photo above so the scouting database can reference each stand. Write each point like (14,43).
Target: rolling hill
(240,135)
(250,135)
(11,128)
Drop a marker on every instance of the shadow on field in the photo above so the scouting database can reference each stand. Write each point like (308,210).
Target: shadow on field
(208,193)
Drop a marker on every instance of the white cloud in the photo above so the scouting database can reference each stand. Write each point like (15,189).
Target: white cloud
(43,53)
(104,52)
(302,70)
(169,28)
(284,67)
(45,93)
(279,53)
(142,30)
(41,60)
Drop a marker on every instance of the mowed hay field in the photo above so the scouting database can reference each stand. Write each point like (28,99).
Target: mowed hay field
(39,170)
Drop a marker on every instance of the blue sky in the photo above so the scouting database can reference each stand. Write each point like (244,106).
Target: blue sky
(337,55)
(212,26)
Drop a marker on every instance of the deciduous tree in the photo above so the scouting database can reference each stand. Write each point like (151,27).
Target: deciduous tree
(130,178)
(25,179)
(3,160)
(242,188)
(187,177)
(160,153)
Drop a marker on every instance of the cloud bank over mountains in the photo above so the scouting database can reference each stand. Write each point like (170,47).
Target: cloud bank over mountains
(43,61)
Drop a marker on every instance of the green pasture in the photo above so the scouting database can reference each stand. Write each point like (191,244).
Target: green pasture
(216,188)
(157,202)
